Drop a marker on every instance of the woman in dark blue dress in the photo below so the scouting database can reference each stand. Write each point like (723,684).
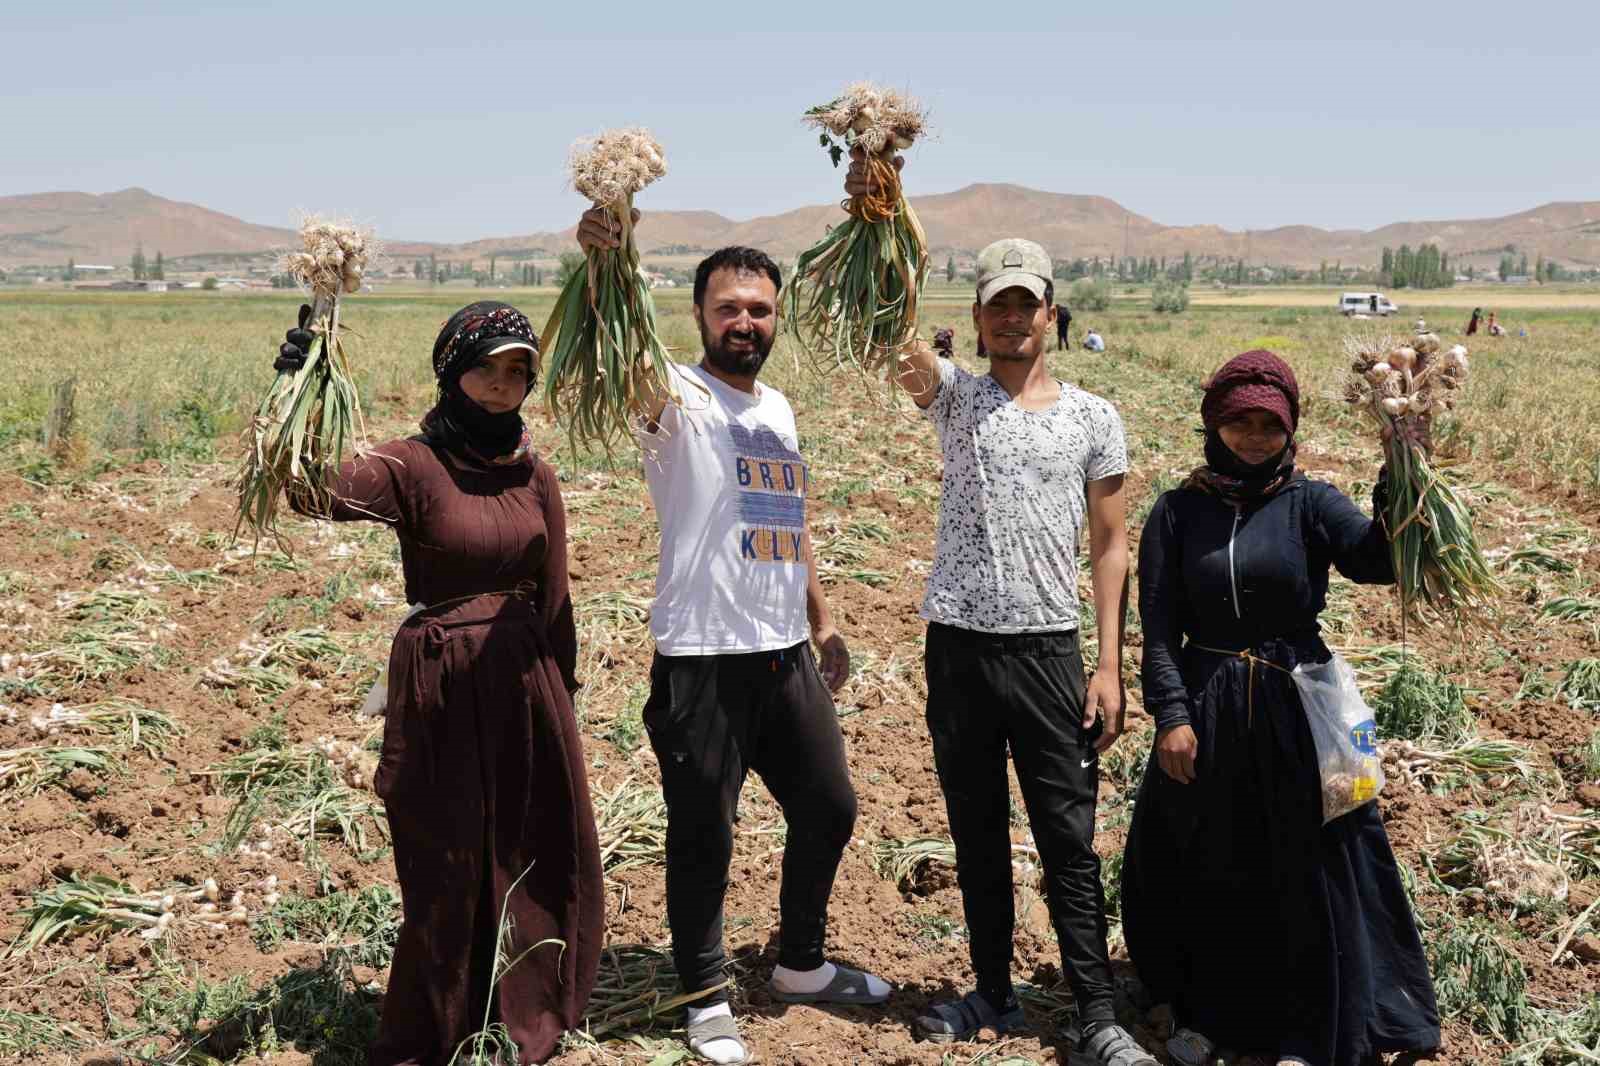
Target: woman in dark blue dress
(1267,931)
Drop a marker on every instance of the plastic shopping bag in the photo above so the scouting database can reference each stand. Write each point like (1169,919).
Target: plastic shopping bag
(1345,733)
(377,701)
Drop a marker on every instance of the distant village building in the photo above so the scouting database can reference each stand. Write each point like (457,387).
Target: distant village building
(121,286)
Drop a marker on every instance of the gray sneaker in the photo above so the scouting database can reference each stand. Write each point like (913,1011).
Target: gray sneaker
(1112,1046)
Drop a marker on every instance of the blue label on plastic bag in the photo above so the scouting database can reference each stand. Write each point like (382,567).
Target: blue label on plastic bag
(1364,737)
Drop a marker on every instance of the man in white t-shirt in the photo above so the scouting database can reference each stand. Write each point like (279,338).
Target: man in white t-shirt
(733,686)
(1027,460)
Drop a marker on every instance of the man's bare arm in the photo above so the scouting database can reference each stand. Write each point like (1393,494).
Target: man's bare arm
(916,370)
(1108,565)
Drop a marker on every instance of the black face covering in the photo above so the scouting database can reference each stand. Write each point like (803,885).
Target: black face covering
(460,418)
(1253,478)
(457,422)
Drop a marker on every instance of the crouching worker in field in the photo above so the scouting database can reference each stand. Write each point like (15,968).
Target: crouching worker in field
(482,771)
(1267,931)
(1027,459)
(734,686)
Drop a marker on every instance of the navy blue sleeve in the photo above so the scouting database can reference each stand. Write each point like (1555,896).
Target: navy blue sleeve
(1161,617)
(1357,545)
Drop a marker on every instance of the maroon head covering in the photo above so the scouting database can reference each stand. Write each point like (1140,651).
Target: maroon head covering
(1256,380)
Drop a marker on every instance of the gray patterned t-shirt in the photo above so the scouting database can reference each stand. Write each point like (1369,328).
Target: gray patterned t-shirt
(1013,502)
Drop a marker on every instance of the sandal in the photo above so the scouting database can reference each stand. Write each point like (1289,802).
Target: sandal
(1112,1046)
(1189,1048)
(722,1027)
(965,1018)
(849,988)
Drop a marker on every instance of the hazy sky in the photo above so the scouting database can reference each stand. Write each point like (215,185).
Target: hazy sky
(452,121)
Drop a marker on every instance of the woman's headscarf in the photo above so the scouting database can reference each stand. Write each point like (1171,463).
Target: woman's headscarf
(1252,381)
(456,421)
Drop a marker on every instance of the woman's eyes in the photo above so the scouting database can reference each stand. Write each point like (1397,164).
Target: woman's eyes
(516,368)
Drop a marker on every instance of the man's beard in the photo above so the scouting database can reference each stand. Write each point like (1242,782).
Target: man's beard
(745,364)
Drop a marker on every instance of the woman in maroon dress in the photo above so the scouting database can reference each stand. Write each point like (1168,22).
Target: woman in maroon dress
(482,771)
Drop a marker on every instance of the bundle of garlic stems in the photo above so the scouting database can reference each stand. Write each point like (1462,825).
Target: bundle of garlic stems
(602,349)
(1441,571)
(853,301)
(309,417)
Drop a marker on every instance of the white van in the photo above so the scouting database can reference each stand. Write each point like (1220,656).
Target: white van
(1366,303)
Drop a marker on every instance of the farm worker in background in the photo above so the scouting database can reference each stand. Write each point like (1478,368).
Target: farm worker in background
(1472,323)
(1063,323)
(1268,931)
(1495,328)
(1093,343)
(482,771)
(734,687)
(944,342)
(1026,457)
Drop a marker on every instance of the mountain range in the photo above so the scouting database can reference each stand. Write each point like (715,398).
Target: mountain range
(50,228)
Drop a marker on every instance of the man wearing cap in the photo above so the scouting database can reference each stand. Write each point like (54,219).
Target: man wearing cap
(1026,459)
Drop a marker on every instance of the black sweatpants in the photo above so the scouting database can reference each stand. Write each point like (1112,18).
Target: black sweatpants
(1026,691)
(711,718)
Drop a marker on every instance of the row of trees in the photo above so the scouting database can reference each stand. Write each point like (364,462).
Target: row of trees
(1543,269)
(526,273)
(1425,268)
(143,271)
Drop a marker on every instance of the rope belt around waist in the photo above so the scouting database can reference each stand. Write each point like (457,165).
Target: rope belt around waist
(1250,679)
(433,619)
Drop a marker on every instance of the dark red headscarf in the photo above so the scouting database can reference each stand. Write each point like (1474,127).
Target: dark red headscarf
(1256,380)
(1251,381)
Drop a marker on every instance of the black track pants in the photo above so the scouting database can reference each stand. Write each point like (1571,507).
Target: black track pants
(988,692)
(711,718)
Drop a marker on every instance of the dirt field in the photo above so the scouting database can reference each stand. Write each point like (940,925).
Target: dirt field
(121,602)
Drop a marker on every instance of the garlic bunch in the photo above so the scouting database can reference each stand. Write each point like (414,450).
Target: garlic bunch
(1409,378)
(334,256)
(611,167)
(881,120)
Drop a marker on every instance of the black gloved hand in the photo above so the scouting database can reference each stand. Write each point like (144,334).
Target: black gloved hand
(1380,495)
(297,342)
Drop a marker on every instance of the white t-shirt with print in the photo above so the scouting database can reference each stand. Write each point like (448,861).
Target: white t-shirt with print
(1013,502)
(729,488)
